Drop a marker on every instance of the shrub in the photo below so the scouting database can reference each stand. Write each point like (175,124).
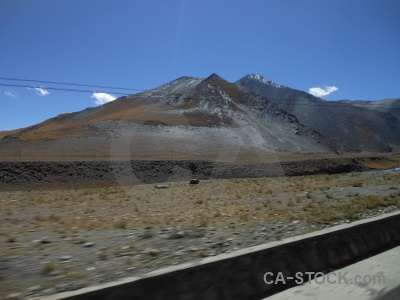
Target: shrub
(148,235)
(120,224)
(49,267)
(11,239)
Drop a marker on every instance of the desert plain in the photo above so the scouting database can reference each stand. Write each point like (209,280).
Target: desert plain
(58,239)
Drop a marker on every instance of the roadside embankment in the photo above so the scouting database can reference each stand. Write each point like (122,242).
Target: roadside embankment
(62,174)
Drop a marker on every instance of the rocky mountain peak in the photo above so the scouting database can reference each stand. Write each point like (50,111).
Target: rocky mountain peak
(214,76)
(261,79)
(191,110)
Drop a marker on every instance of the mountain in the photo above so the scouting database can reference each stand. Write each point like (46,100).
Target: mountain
(187,118)
(391,106)
(360,126)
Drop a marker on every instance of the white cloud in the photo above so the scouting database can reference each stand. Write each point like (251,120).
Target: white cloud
(320,92)
(41,91)
(102,98)
(10,94)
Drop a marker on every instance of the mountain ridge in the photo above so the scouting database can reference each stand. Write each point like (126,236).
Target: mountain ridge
(199,117)
(203,117)
(352,128)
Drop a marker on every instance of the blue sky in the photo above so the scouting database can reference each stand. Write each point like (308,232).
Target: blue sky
(352,45)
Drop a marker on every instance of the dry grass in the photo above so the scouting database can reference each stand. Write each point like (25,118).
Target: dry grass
(318,199)
(71,218)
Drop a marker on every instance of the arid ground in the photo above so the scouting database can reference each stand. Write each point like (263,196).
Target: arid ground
(55,240)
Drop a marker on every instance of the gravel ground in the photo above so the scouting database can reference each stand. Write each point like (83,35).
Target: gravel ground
(75,238)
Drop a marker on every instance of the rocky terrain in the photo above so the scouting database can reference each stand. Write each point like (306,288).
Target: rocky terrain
(191,117)
(391,106)
(352,126)
(58,240)
(74,174)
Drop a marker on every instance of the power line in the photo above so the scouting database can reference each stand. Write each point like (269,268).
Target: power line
(58,89)
(74,84)
(321,103)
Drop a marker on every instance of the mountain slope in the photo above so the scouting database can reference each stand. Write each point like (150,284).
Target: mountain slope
(185,118)
(352,127)
(391,106)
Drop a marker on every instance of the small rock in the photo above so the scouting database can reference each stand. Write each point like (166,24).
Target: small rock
(45,240)
(88,244)
(55,273)
(13,296)
(130,269)
(151,252)
(34,288)
(48,292)
(121,254)
(90,269)
(161,186)
(176,235)
(180,234)
(62,287)
(65,257)
(194,181)
(192,249)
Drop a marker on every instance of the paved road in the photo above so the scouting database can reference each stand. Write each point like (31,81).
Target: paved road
(378,278)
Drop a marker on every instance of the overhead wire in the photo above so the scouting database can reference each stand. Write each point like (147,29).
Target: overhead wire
(68,83)
(303,102)
(59,89)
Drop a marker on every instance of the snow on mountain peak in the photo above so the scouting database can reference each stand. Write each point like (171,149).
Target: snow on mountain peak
(263,80)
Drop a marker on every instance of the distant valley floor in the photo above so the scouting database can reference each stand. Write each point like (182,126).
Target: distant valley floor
(86,173)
